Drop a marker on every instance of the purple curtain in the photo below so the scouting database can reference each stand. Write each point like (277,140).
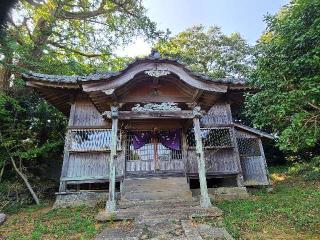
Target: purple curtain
(170,139)
(140,139)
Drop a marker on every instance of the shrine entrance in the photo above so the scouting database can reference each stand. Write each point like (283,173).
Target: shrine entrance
(154,152)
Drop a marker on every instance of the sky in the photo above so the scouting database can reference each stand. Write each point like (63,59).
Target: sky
(243,16)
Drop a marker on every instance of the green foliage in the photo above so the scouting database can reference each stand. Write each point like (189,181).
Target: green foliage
(209,51)
(31,133)
(309,170)
(14,196)
(29,128)
(292,209)
(287,75)
(72,37)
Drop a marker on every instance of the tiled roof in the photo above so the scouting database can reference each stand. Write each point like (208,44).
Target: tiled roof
(107,75)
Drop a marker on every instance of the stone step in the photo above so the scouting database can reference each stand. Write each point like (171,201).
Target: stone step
(156,189)
(156,203)
(174,212)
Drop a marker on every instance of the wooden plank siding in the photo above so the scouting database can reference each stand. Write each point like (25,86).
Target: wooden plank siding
(254,171)
(88,166)
(219,114)
(219,161)
(254,167)
(222,161)
(86,114)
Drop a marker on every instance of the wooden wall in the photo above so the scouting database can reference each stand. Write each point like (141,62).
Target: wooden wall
(87,166)
(221,161)
(254,167)
(218,161)
(219,113)
(86,114)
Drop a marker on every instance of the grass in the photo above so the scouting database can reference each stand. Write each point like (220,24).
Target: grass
(290,211)
(43,222)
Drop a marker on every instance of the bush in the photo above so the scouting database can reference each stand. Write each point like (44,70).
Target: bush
(309,170)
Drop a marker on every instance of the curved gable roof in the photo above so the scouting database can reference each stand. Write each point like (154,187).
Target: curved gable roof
(65,81)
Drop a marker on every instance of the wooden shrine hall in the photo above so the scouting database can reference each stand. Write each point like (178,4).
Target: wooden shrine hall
(155,119)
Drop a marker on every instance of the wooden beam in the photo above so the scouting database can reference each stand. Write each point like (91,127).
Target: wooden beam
(127,115)
(147,99)
(39,84)
(110,93)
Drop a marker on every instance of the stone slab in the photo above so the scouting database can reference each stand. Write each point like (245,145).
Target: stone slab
(209,232)
(120,234)
(191,232)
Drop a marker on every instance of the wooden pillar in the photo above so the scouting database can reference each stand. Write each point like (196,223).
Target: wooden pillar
(65,164)
(111,203)
(67,143)
(205,200)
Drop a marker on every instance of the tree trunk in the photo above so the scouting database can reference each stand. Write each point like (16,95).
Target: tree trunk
(24,178)
(5,74)
(2,171)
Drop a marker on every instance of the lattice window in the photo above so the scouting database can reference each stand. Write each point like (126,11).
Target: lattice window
(145,153)
(150,151)
(248,147)
(91,140)
(166,154)
(212,138)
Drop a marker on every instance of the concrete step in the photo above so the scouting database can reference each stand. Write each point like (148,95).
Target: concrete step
(156,189)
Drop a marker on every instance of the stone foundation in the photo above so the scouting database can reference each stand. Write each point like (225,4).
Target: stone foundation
(224,193)
(80,198)
(93,198)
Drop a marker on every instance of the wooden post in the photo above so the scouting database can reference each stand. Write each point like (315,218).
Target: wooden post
(205,200)
(67,143)
(111,203)
(65,164)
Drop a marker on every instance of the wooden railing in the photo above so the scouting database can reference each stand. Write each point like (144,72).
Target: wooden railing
(86,140)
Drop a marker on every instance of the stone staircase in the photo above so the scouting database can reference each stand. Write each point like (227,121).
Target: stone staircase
(160,209)
(144,189)
(163,220)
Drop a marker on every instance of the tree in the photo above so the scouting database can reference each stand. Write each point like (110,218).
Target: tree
(287,77)
(70,36)
(55,37)
(23,124)
(209,51)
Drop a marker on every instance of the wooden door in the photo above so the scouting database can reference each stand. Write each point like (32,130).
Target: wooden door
(153,157)
(142,159)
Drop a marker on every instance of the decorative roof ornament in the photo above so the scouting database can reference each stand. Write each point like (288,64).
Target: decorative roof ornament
(155,54)
(157,107)
(157,73)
